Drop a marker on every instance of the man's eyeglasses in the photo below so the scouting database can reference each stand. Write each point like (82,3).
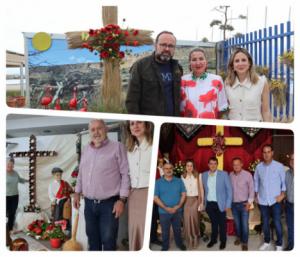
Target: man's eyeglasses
(167,46)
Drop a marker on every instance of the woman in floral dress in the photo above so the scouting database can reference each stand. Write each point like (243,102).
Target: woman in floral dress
(202,93)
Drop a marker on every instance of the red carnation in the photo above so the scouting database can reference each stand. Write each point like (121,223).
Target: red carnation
(126,33)
(135,32)
(50,227)
(115,46)
(109,38)
(74,174)
(121,55)
(85,45)
(30,227)
(104,54)
(135,43)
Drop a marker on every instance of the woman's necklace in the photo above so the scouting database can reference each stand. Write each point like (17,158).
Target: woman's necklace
(203,76)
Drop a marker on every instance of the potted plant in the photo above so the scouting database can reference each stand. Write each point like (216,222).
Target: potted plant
(56,236)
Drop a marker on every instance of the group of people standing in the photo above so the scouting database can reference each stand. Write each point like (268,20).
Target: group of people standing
(157,86)
(216,192)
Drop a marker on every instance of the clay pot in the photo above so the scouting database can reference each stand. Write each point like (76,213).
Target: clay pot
(19,244)
(55,242)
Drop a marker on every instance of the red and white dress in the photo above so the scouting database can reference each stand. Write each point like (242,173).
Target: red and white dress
(202,97)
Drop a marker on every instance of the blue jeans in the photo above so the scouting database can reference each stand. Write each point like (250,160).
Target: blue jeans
(166,220)
(266,211)
(241,221)
(100,224)
(289,210)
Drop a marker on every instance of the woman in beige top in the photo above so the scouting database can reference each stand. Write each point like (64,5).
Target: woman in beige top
(194,203)
(247,93)
(139,149)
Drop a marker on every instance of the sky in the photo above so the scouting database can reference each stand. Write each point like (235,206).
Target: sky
(188,19)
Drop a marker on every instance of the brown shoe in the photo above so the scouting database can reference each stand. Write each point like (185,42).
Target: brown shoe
(237,241)
(244,247)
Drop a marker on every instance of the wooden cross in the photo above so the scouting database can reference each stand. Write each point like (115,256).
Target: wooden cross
(111,79)
(229,141)
(32,154)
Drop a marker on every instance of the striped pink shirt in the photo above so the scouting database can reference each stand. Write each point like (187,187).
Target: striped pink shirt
(103,171)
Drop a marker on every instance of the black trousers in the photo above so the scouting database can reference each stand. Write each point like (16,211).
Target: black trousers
(218,221)
(11,208)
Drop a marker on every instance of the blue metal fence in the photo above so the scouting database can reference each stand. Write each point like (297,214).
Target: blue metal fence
(265,46)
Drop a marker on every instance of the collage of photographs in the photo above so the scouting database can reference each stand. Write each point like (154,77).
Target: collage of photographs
(175,137)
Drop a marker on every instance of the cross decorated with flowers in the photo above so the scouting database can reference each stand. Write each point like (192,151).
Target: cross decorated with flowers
(107,42)
(32,154)
(218,144)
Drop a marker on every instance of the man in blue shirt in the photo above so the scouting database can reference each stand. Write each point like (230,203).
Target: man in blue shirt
(218,199)
(269,185)
(170,195)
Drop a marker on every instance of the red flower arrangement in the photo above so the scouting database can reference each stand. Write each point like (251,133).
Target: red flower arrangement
(74,176)
(218,146)
(108,40)
(44,230)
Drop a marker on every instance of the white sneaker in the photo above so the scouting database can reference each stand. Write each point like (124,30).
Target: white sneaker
(278,248)
(264,247)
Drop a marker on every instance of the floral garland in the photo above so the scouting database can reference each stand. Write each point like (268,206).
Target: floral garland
(178,169)
(218,145)
(252,165)
(251,132)
(74,176)
(108,40)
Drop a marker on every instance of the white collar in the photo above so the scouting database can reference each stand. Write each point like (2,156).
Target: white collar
(143,146)
(246,83)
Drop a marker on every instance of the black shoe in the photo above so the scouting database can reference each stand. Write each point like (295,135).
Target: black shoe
(222,246)
(182,247)
(288,248)
(157,242)
(210,244)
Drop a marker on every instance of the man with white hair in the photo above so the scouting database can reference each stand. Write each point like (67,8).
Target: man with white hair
(103,181)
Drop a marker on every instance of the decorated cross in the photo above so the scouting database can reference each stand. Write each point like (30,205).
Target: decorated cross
(218,144)
(32,154)
(108,46)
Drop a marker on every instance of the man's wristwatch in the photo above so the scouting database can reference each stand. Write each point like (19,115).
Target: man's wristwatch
(123,199)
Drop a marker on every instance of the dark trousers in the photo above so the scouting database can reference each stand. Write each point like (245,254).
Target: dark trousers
(101,224)
(166,220)
(154,225)
(58,212)
(241,221)
(218,221)
(266,211)
(11,208)
(289,211)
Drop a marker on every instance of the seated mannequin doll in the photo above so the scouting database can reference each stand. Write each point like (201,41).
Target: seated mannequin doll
(59,194)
